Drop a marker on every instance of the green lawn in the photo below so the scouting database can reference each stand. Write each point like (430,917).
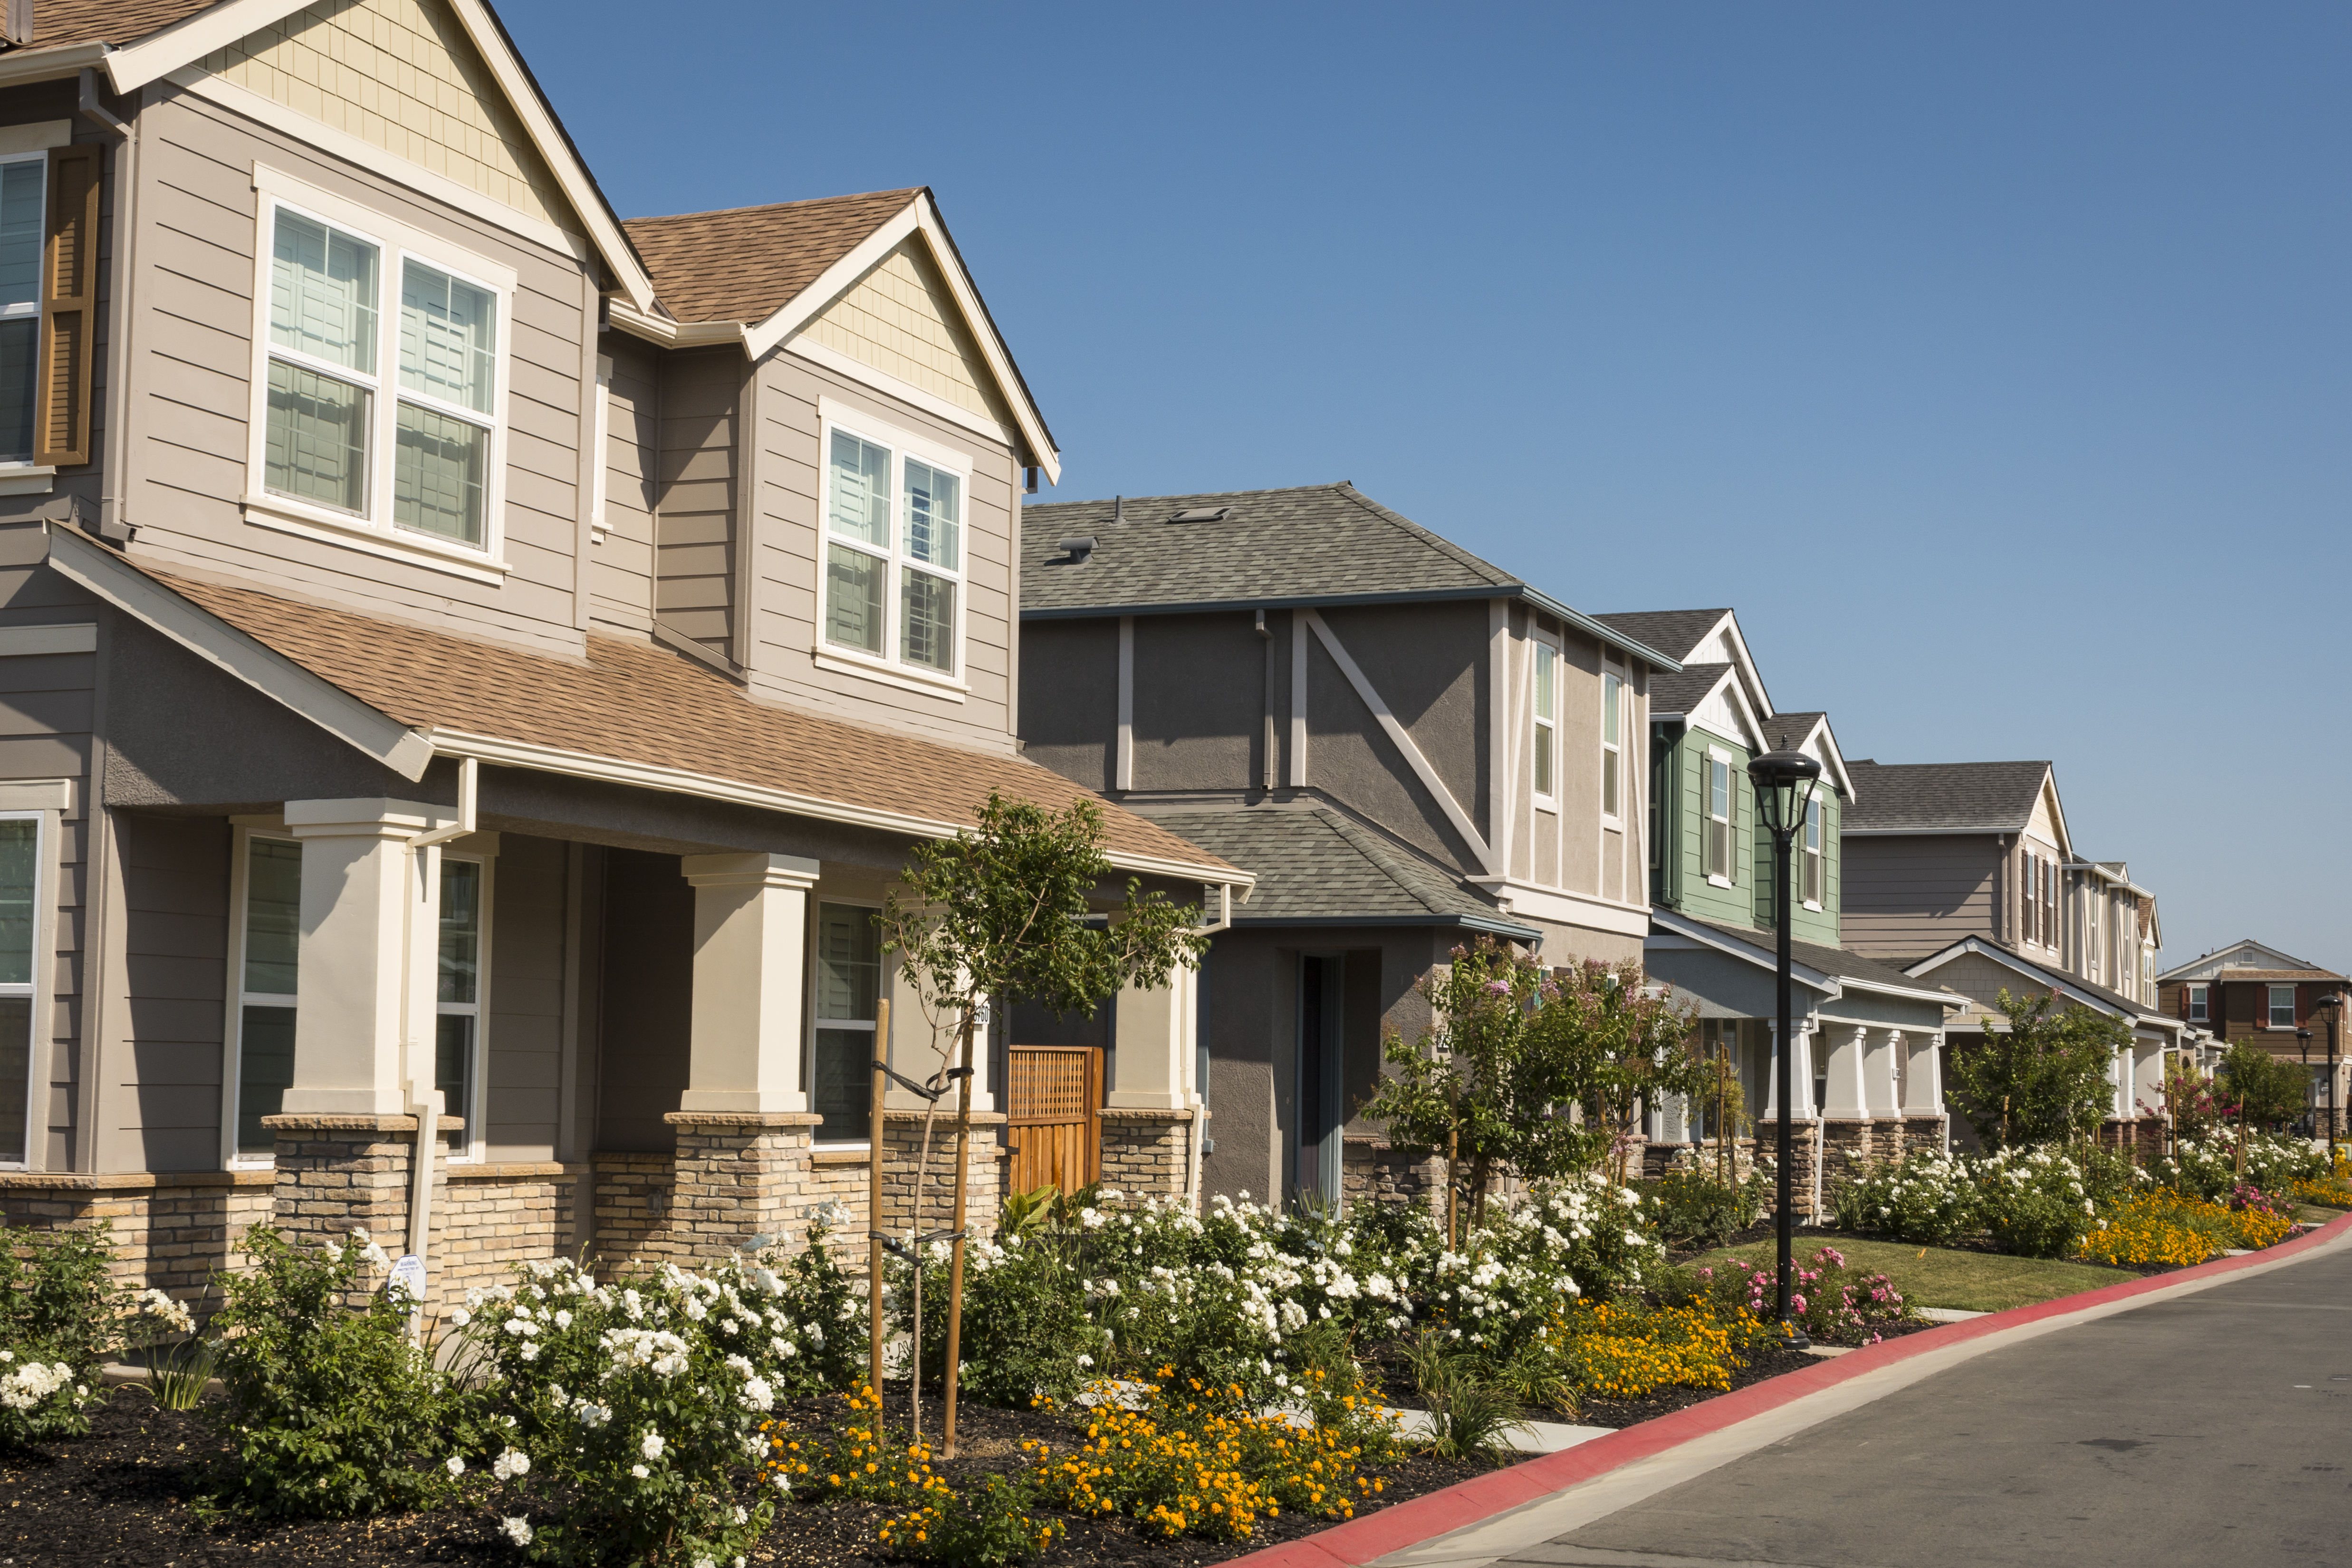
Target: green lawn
(1938,1277)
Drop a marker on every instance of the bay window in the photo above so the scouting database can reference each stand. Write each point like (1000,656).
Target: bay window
(1547,717)
(893,551)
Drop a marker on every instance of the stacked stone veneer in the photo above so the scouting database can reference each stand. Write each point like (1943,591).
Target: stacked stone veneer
(1373,1171)
(1147,1153)
(1805,1157)
(172,1231)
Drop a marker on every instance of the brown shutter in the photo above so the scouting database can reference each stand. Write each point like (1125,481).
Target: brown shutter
(69,308)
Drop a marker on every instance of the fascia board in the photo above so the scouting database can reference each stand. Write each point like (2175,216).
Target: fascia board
(1747,661)
(49,65)
(1587,624)
(2057,811)
(1402,921)
(1958,829)
(1836,756)
(2065,983)
(1915,993)
(669,334)
(216,642)
(192,38)
(1708,937)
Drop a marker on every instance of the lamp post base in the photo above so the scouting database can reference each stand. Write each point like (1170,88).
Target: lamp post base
(1797,1339)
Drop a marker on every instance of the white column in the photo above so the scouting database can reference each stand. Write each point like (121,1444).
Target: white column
(1673,1118)
(1801,1075)
(1880,1052)
(1923,1083)
(355,953)
(2148,1077)
(751,959)
(1150,1063)
(1848,1099)
(2120,1077)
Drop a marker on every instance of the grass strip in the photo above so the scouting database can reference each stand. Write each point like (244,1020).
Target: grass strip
(1940,1277)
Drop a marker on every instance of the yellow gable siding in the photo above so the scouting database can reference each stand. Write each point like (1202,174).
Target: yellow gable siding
(403,76)
(900,319)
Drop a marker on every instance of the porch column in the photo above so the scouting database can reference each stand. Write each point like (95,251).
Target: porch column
(750,958)
(1926,1125)
(1801,1074)
(1804,1137)
(1147,1115)
(1847,1146)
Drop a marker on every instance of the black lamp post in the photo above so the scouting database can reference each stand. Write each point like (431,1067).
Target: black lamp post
(2332,1005)
(1784,782)
(2303,1039)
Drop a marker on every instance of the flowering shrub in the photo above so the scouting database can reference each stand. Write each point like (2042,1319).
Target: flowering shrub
(633,1409)
(2208,1167)
(1630,1353)
(1926,1198)
(993,1520)
(1828,1298)
(2168,1225)
(57,1324)
(2035,1202)
(1694,1209)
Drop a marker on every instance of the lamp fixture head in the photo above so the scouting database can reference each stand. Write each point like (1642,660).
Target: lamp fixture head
(1784,784)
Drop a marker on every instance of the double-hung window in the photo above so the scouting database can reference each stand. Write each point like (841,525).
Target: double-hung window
(1612,699)
(383,391)
(1719,818)
(267,966)
(1812,883)
(894,570)
(848,984)
(20,925)
(2198,1012)
(48,305)
(1546,720)
(2281,1009)
(457,997)
(24,218)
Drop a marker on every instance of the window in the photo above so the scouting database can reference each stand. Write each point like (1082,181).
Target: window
(382,395)
(1547,716)
(2091,945)
(2282,1010)
(848,983)
(2197,996)
(20,924)
(269,941)
(24,214)
(48,289)
(1612,695)
(894,553)
(1812,883)
(1719,818)
(457,999)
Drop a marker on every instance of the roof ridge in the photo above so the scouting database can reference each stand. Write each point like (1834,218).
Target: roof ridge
(1430,537)
(907,191)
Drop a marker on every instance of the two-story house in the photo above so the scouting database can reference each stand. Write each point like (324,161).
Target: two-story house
(2252,992)
(1408,744)
(1965,875)
(473,666)
(1865,1074)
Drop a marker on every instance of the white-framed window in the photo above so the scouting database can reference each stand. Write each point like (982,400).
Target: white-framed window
(2282,1009)
(1612,750)
(264,951)
(1813,879)
(24,225)
(1546,721)
(2092,948)
(380,385)
(21,897)
(1719,806)
(894,550)
(461,986)
(2197,1004)
(847,965)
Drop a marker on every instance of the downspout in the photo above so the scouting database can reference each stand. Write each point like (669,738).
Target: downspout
(114,470)
(1265,770)
(424,1099)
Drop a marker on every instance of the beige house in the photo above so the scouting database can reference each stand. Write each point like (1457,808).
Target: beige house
(473,666)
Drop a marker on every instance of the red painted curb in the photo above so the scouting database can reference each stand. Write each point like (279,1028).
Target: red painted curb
(1359,1541)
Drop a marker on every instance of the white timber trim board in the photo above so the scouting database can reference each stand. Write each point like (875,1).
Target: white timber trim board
(36,138)
(28,478)
(1421,765)
(216,642)
(38,795)
(1498,710)
(192,38)
(1706,936)
(669,333)
(1123,762)
(78,636)
(1562,907)
(907,392)
(1298,771)
(827,656)
(49,65)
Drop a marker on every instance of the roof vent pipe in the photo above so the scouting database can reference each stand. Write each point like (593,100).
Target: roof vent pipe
(1118,508)
(1078,548)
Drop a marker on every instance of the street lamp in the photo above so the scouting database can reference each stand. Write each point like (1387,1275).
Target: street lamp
(2332,1005)
(1784,783)
(2303,1039)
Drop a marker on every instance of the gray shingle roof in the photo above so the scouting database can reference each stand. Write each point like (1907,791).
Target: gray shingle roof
(1683,690)
(1831,960)
(1318,866)
(1943,797)
(2114,999)
(1786,732)
(1674,633)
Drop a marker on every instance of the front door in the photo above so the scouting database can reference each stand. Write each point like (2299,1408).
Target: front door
(1322,990)
(1051,1099)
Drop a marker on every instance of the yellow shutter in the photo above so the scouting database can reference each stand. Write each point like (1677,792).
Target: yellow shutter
(69,308)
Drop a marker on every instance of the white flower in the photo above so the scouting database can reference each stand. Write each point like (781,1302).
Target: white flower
(742,1514)
(695,1309)
(530,1349)
(639,1472)
(461,1317)
(563,1319)
(510,1464)
(652,1446)
(1086,1361)
(518,1530)
(456,1466)
(704,1563)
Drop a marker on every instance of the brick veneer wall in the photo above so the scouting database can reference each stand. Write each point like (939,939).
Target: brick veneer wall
(1373,1172)
(1147,1153)
(172,1231)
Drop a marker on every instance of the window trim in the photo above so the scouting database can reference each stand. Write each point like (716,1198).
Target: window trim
(1813,842)
(2200,1003)
(1612,753)
(233,1024)
(476,1112)
(38,1061)
(1717,757)
(374,532)
(808,1038)
(1543,726)
(37,311)
(2270,1006)
(901,443)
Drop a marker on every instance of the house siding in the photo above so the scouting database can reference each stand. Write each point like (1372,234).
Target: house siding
(1069,699)
(695,482)
(524,1062)
(167,1010)
(1199,702)
(901,320)
(1905,896)
(620,568)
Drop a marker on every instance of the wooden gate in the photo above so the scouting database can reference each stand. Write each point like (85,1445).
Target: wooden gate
(1050,1117)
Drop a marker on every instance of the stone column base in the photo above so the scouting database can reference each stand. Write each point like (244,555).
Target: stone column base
(1147,1153)
(1373,1171)
(340,1173)
(171,1231)
(739,1176)
(902,1131)
(1804,1159)
(1849,1148)
(1925,1134)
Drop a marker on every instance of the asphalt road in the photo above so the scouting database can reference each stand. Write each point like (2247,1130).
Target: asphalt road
(2214,1430)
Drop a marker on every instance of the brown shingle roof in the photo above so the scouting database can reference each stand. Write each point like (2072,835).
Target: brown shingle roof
(639,704)
(59,22)
(747,263)
(2278,975)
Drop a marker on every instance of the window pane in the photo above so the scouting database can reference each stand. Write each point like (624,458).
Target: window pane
(1719,788)
(1543,760)
(1609,688)
(1609,783)
(19,340)
(20,841)
(461,931)
(22,187)
(1544,656)
(1813,825)
(322,293)
(316,448)
(842,1091)
(438,467)
(273,916)
(264,1071)
(857,500)
(848,962)
(448,337)
(934,515)
(1718,848)
(853,599)
(15,1074)
(927,621)
(453,1069)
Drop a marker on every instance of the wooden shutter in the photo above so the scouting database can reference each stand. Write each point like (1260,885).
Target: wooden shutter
(69,308)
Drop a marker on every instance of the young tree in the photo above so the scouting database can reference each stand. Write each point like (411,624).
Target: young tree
(2043,1081)
(998,915)
(2263,1090)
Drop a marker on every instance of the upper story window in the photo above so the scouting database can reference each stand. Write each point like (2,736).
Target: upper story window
(382,393)
(1812,877)
(2282,1009)
(24,214)
(1717,850)
(894,568)
(48,272)
(1547,719)
(1612,750)
(2197,1003)
(2091,947)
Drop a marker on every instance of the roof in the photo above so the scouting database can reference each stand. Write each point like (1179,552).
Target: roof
(2232,973)
(2113,1000)
(1317,544)
(744,264)
(56,23)
(1943,797)
(1836,962)
(670,722)
(1681,690)
(1674,633)
(1320,867)
(2213,960)
(1787,731)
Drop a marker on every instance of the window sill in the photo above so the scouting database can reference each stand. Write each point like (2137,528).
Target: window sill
(939,686)
(1715,882)
(1544,802)
(292,517)
(27,479)
(1611,824)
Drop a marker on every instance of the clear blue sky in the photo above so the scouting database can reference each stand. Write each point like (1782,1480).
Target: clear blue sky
(1994,361)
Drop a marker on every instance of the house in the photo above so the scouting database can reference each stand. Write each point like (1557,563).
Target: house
(475,666)
(2250,992)
(1965,875)
(1865,1077)
(1410,746)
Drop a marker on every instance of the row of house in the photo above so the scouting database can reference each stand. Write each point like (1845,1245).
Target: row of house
(471,666)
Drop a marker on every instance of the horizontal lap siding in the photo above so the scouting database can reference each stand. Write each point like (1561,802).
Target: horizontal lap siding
(620,570)
(694,532)
(1905,896)
(525,1030)
(199,212)
(164,1024)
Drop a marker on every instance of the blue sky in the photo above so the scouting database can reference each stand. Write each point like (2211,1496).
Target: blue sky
(1993,360)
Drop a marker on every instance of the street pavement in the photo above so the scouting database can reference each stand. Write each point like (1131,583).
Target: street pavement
(2210,1428)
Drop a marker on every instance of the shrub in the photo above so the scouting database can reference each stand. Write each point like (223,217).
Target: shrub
(1828,1298)
(2044,1080)
(1694,1209)
(1618,1352)
(2208,1167)
(2035,1201)
(57,1325)
(2168,1225)
(332,1413)
(1469,1418)
(1926,1198)
(991,1521)
(2262,1089)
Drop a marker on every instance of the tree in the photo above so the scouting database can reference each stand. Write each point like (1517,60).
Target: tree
(999,914)
(1527,1070)
(2043,1081)
(2263,1090)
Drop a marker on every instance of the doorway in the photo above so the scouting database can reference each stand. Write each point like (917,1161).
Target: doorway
(1321,1086)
